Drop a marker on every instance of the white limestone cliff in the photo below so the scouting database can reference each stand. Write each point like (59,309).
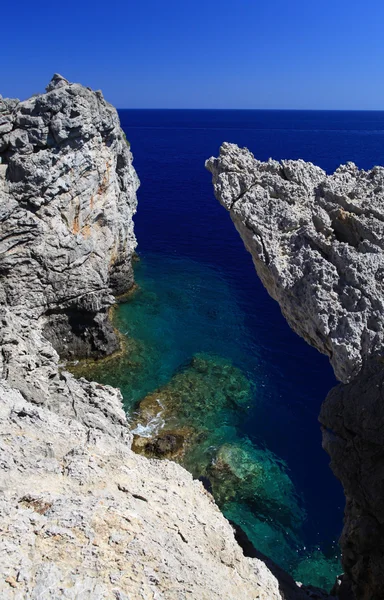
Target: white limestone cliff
(81,515)
(317,245)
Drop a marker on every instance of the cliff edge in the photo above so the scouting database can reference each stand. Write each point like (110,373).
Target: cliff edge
(317,243)
(81,515)
(67,196)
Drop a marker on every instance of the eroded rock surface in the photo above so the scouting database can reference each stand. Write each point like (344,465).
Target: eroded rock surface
(81,515)
(317,245)
(352,417)
(67,197)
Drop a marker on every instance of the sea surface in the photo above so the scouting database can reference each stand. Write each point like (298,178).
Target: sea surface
(207,333)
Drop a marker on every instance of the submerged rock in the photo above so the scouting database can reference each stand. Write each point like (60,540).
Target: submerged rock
(186,420)
(207,385)
(168,444)
(189,408)
(242,473)
(317,245)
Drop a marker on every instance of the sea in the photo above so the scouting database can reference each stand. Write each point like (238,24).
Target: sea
(255,387)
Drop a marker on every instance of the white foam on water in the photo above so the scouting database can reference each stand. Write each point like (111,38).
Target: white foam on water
(153,426)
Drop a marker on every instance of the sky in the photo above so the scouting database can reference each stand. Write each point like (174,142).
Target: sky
(297,54)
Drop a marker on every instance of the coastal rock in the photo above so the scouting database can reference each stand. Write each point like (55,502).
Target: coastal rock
(352,419)
(82,515)
(317,245)
(167,444)
(67,197)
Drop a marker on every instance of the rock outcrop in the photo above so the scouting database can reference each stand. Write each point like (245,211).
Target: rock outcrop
(352,419)
(81,515)
(317,243)
(67,196)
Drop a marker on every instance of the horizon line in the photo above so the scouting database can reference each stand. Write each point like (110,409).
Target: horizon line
(264,109)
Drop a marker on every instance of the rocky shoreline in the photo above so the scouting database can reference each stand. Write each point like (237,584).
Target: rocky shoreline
(82,516)
(317,246)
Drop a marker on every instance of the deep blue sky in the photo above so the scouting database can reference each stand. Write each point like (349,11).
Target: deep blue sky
(200,54)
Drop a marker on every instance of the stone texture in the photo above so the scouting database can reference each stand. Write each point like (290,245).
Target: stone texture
(317,245)
(352,419)
(67,197)
(82,515)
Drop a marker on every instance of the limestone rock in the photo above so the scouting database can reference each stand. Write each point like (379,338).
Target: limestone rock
(352,419)
(67,197)
(82,515)
(317,245)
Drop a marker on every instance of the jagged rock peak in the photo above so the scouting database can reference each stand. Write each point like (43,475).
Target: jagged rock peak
(57,81)
(317,243)
(68,191)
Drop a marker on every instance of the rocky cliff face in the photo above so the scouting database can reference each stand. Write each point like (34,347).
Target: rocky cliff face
(81,515)
(67,196)
(317,245)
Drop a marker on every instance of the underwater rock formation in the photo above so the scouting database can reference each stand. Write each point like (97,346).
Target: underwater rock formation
(81,514)
(194,420)
(184,418)
(167,444)
(206,385)
(317,245)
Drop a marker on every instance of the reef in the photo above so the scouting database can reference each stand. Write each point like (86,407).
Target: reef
(317,245)
(82,515)
(196,419)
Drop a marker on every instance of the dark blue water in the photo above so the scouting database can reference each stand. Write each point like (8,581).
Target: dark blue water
(208,296)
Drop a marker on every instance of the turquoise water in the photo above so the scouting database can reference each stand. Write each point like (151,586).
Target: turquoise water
(182,308)
(251,399)
(189,342)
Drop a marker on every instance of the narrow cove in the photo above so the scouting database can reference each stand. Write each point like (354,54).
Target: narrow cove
(197,390)
(208,349)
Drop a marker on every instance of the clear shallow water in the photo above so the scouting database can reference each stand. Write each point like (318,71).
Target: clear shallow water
(200,294)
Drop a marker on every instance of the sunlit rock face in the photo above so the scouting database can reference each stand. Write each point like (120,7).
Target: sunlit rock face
(317,245)
(67,198)
(82,516)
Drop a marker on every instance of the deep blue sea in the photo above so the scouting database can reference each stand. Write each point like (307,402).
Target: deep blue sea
(200,294)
